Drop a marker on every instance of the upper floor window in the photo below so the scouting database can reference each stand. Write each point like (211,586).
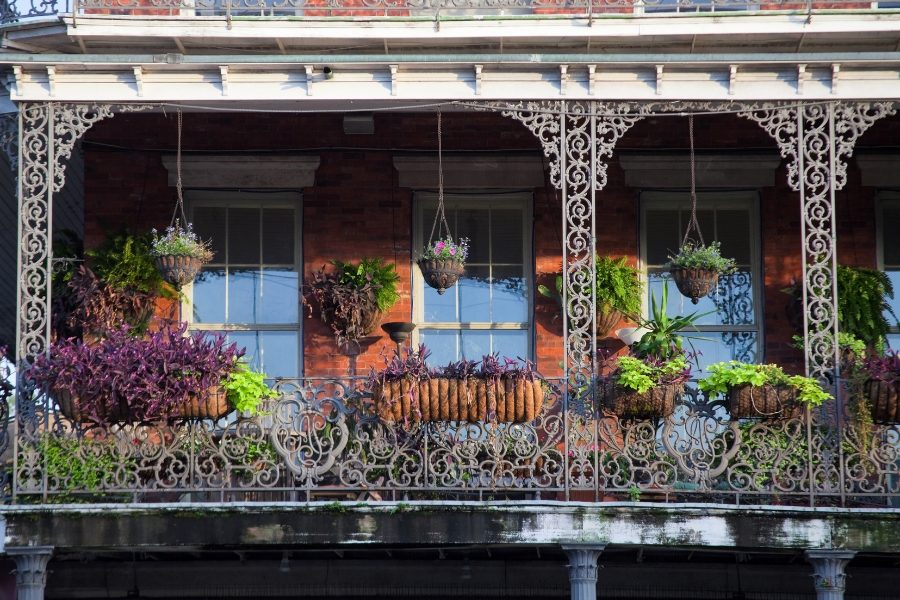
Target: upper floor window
(889,255)
(731,330)
(251,289)
(489,310)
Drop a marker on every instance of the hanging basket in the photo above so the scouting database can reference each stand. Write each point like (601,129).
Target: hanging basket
(764,402)
(178,269)
(506,400)
(884,400)
(441,274)
(366,318)
(607,318)
(214,406)
(657,402)
(695,283)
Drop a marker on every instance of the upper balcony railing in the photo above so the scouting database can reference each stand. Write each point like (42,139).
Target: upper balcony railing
(324,440)
(12,11)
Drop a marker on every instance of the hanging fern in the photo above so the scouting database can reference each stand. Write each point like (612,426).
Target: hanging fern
(863,304)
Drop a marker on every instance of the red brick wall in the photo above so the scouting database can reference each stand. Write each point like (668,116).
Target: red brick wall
(356,208)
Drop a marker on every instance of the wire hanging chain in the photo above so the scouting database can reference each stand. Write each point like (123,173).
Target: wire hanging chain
(179,203)
(693,223)
(440,219)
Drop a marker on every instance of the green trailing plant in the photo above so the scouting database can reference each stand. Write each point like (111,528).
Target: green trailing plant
(81,465)
(617,285)
(642,375)
(699,256)
(723,376)
(124,262)
(246,388)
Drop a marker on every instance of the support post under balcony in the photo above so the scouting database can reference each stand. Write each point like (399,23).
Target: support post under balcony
(828,572)
(583,569)
(31,570)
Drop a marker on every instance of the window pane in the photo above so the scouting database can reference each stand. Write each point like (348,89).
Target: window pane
(893,341)
(209,225)
(889,227)
(209,297)
(895,303)
(249,341)
(510,295)
(714,347)
(662,235)
(440,308)
(243,295)
(280,296)
(279,353)
(475,344)
(511,344)
(473,224)
(475,295)
(444,346)
(278,236)
(734,233)
(243,236)
(506,236)
(707,225)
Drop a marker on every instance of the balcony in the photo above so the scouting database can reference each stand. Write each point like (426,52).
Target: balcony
(22,10)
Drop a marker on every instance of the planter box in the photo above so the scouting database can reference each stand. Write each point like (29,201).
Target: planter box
(765,402)
(884,401)
(654,403)
(444,399)
(215,406)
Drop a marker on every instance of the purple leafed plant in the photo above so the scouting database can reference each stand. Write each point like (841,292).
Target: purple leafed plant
(135,379)
(884,368)
(411,364)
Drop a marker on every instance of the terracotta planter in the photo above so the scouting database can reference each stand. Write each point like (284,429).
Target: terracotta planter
(215,406)
(607,318)
(445,399)
(764,401)
(654,403)
(695,283)
(177,269)
(441,274)
(884,400)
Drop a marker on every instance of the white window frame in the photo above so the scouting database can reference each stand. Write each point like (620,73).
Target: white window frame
(513,199)
(743,200)
(250,199)
(883,199)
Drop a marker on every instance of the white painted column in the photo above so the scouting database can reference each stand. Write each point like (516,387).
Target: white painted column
(583,569)
(31,570)
(828,572)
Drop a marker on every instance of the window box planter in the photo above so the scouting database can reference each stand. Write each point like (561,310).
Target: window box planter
(884,400)
(764,401)
(506,400)
(212,405)
(657,402)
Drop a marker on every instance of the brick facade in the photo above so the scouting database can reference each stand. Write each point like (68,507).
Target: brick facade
(357,209)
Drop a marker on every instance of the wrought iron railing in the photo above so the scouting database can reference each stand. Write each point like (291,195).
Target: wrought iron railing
(323,440)
(16,10)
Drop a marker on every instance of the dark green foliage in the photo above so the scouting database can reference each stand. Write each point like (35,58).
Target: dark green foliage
(374,272)
(124,261)
(618,285)
(863,307)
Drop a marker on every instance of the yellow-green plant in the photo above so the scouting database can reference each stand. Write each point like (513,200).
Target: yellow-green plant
(723,376)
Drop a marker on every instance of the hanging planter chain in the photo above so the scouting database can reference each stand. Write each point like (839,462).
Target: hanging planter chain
(693,223)
(440,272)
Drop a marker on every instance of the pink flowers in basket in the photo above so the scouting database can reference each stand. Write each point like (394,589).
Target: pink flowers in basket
(448,249)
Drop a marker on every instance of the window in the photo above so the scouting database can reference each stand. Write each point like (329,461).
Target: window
(251,289)
(489,309)
(731,330)
(889,254)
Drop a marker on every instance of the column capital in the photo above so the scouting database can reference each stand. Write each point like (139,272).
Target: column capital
(828,571)
(31,570)
(583,568)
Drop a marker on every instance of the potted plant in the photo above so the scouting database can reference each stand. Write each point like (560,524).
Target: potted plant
(617,290)
(179,254)
(164,375)
(493,389)
(880,383)
(696,268)
(444,262)
(765,391)
(118,283)
(646,384)
(351,298)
